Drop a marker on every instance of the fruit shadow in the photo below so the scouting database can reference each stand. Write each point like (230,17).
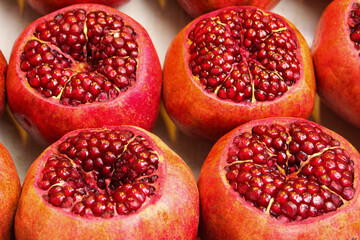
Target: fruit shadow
(331,120)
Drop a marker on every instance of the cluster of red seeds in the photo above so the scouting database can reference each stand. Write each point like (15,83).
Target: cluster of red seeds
(294,172)
(100,173)
(244,55)
(354,25)
(78,43)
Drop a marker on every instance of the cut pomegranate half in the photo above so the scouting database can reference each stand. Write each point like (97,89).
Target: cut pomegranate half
(282,176)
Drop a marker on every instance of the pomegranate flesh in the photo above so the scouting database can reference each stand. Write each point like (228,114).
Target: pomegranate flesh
(9,193)
(47,6)
(195,8)
(109,183)
(335,52)
(84,66)
(234,65)
(280,178)
(3,66)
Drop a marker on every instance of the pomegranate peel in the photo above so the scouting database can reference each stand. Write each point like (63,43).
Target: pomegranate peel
(3,66)
(148,190)
(196,8)
(47,6)
(83,66)
(336,59)
(10,188)
(207,98)
(237,204)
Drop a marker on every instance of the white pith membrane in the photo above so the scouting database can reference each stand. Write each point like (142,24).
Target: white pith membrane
(354,24)
(291,172)
(244,55)
(103,173)
(81,57)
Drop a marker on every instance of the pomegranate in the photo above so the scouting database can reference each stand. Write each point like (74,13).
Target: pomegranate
(47,6)
(9,193)
(3,66)
(335,52)
(233,65)
(108,183)
(280,178)
(195,8)
(84,66)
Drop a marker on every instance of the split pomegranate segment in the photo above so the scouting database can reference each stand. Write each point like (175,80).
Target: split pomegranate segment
(336,58)
(293,172)
(107,181)
(83,66)
(95,46)
(282,176)
(244,55)
(3,67)
(237,64)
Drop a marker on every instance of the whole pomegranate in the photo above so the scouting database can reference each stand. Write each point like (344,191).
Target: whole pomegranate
(3,66)
(83,66)
(47,6)
(233,65)
(336,57)
(109,183)
(280,178)
(196,8)
(9,193)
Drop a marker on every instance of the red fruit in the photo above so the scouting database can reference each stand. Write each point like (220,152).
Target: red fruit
(47,6)
(3,66)
(335,52)
(306,188)
(114,183)
(196,8)
(234,65)
(9,193)
(83,66)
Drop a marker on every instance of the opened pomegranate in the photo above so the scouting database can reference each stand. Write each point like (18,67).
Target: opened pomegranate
(83,66)
(9,193)
(233,65)
(336,57)
(280,178)
(112,183)
(3,66)
(196,8)
(47,6)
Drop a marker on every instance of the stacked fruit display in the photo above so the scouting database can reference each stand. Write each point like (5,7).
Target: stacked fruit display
(86,83)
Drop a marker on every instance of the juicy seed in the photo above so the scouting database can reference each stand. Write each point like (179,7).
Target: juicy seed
(244,55)
(101,173)
(296,171)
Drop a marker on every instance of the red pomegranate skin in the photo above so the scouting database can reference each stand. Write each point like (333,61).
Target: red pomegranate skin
(205,115)
(337,62)
(196,8)
(46,119)
(3,66)
(9,193)
(226,215)
(47,6)
(173,213)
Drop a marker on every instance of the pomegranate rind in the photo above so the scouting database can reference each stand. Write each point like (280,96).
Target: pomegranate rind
(199,114)
(3,67)
(47,120)
(173,214)
(337,62)
(195,8)
(225,215)
(10,188)
(47,6)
